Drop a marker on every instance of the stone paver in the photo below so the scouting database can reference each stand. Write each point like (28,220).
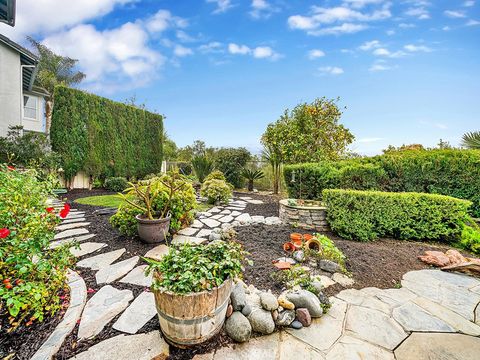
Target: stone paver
(140,311)
(58,243)
(132,347)
(354,349)
(189,231)
(211,223)
(197,224)
(158,252)
(226,219)
(413,318)
(204,233)
(71,226)
(115,271)
(180,239)
(99,261)
(439,346)
(71,221)
(107,303)
(70,233)
(264,348)
(86,248)
(137,277)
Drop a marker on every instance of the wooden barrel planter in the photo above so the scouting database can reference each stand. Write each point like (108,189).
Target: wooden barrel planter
(187,320)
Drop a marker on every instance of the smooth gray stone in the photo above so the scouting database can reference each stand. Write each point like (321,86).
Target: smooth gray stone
(140,311)
(238,327)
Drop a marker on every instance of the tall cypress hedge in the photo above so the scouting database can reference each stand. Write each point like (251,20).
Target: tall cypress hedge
(447,172)
(104,137)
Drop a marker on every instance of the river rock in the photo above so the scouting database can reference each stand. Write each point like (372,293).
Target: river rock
(261,321)
(329,266)
(247,309)
(323,298)
(269,301)
(238,327)
(229,311)
(285,318)
(303,316)
(296,325)
(299,256)
(238,297)
(284,303)
(305,299)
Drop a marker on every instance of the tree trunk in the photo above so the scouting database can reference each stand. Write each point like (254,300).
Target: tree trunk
(250,185)
(48,116)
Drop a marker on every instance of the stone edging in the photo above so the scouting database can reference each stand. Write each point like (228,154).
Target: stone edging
(78,298)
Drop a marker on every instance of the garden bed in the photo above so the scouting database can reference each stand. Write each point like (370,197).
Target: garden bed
(378,264)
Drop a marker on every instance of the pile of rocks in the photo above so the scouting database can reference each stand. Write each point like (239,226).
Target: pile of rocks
(252,310)
(452,260)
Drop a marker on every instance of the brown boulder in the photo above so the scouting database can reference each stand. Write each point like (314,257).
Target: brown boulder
(436,258)
(455,257)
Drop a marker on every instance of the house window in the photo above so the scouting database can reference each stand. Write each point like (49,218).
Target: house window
(30,106)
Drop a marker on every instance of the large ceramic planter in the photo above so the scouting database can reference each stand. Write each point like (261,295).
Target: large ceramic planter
(152,231)
(187,320)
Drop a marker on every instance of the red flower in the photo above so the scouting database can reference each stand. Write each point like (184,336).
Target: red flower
(50,209)
(11,168)
(4,232)
(64,212)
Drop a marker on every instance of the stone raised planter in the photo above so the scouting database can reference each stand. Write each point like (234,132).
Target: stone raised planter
(312,217)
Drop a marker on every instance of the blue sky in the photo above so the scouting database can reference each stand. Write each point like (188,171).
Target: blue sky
(407,71)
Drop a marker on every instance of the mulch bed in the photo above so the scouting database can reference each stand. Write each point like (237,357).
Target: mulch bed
(379,264)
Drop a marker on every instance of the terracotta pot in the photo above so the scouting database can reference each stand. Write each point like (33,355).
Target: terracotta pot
(152,231)
(296,238)
(307,237)
(313,244)
(289,247)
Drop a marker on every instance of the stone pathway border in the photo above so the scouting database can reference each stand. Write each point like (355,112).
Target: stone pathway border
(78,298)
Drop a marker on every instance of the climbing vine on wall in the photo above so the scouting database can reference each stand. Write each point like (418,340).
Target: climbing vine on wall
(104,137)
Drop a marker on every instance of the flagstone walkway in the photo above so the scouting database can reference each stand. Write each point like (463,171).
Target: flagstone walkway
(433,313)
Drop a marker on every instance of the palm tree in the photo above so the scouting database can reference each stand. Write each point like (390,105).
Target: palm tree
(202,166)
(54,70)
(272,155)
(251,175)
(471,140)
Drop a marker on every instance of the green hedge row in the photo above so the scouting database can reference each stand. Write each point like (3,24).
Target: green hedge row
(104,137)
(368,215)
(447,172)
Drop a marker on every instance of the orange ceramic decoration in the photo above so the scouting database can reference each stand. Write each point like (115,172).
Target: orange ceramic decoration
(307,237)
(289,247)
(296,238)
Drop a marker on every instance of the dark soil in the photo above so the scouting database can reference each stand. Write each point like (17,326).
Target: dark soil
(26,340)
(379,264)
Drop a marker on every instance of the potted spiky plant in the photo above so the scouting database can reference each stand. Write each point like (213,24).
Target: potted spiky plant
(251,175)
(153,223)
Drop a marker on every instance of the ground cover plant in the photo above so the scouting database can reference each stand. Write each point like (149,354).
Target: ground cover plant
(369,215)
(31,274)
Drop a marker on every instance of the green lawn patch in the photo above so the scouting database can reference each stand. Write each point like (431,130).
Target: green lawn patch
(112,201)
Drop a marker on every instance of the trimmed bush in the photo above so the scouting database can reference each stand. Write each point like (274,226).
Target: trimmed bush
(216,191)
(117,184)
(217,175)
(447,172)
(369,215)
(103,137)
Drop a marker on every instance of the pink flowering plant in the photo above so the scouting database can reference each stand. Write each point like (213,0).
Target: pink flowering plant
(31,274)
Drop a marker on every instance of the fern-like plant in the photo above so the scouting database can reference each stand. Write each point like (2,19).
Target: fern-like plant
(251,176)
(471,140)
(202,166)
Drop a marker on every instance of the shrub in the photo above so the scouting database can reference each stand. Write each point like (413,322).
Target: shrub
(231,161)
(31,273)
(368,215)
(184,168)
(217,175)
(470,239)
(202,166)
(117,184)
(197,268)
(181,206)
(104,137)
(447,172)
(216,191)
(329,251)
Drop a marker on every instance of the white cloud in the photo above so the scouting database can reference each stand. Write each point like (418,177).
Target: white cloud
(263,52)
(262,9)
(390,32)
(379,67)
(420,13)
(455,14)
(211,47)
(162,20)
(236,49)
(331,70)
(340,19)
(472,23)
(46,16)
(469,3)
(369,45)
(383,52)
(222,5)
(406,25)
(358,4)
(315,54)
(181,51)
(109,57)
(417,48)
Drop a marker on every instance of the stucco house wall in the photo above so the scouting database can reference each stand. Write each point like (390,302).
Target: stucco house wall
(10,89)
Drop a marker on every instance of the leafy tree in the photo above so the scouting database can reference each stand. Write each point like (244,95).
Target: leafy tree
(444,145)
(471,140)
(169,148)
(410,147)
(231,162)
(309,133)
(53,70)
